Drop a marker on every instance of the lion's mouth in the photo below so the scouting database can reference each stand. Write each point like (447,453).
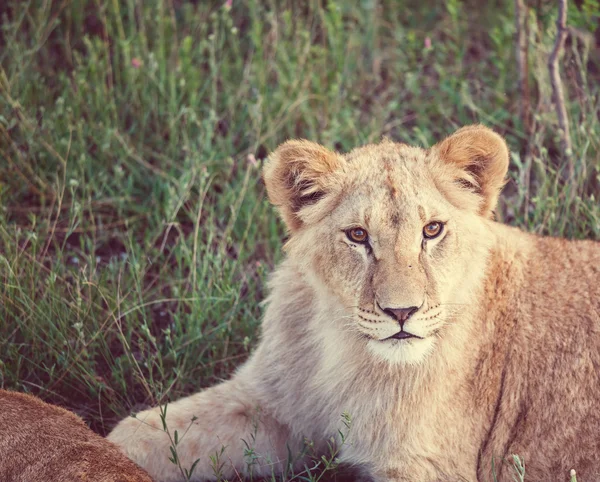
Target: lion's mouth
(402,335)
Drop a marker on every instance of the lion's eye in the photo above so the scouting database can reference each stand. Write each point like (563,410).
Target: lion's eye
(433,230)
(358,235)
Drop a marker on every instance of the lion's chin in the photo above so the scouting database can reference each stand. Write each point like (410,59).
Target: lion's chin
(410,351)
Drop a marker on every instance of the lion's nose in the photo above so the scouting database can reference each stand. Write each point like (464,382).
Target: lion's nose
(400,314)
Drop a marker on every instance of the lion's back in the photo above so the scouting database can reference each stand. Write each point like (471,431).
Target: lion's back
(547,337)
(42,442)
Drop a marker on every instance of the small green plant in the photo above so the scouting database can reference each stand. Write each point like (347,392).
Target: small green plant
(573,476)
(175,440)
(518,466)
(217,464)
(250,455)
(325,463)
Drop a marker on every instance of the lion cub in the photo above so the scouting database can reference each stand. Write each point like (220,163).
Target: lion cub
(452,341)
(44,443)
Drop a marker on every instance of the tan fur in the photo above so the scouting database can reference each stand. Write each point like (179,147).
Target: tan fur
(44,443)
(508,358)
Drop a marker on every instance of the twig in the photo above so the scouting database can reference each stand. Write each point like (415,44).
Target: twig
(522,56)
(523,64)
(557,90)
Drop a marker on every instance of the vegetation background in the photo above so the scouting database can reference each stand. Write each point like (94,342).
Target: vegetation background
(135,235)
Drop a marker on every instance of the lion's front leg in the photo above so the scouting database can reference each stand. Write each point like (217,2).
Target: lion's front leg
(223,421)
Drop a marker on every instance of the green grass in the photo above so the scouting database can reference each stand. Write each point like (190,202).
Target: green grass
(135,235)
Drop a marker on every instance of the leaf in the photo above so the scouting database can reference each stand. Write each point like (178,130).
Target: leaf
(192,468)
(174,454)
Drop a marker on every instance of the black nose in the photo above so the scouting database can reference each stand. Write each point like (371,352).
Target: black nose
(400,314)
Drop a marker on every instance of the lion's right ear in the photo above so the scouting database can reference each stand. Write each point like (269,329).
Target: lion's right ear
(298,174)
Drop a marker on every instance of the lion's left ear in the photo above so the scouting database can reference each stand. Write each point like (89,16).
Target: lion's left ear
(477,158)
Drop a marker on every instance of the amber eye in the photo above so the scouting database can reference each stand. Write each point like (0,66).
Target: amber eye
(433,230)
(358,235)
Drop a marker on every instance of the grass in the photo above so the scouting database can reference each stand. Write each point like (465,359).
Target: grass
(135,236)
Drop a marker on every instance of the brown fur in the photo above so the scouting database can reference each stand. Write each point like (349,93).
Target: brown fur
(45,443)
(507,355)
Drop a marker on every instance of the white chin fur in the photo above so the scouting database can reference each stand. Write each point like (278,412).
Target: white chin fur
(402,352)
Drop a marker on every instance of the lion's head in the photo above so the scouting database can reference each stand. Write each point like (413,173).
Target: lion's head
(395,235)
